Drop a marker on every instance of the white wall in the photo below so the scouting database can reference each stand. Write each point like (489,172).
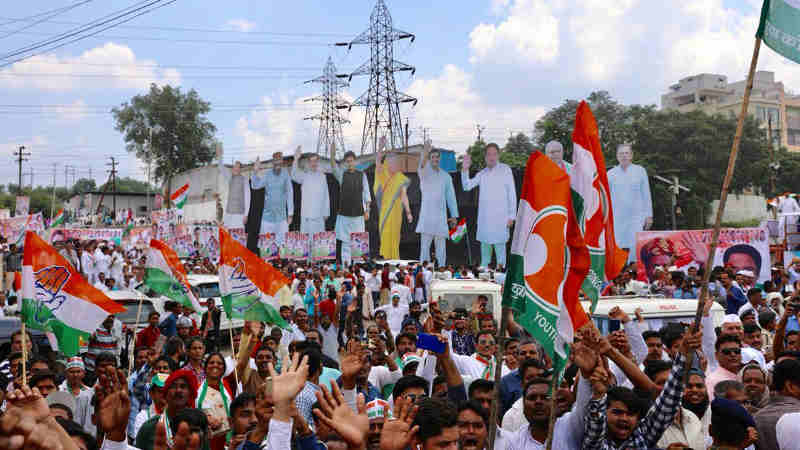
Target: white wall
(740,208)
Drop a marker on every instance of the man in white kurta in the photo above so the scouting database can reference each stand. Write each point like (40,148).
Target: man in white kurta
(237,198)
(497,203)
(630,199)
(555,151)
(438,195)
(278,198)
(351,214)
(787,205)
(315,206)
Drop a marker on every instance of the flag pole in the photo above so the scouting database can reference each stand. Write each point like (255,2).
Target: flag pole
(132,349)
(723,197)
(233,352)
(498,370)
(551,422)
(24,354)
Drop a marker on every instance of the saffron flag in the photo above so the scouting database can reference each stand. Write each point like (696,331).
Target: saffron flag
(128,225)
(164,274)
(179,197)
(57,299)
(459,231)
(591,198)
(779,27)
(249,286)
(58,219)
(548,260)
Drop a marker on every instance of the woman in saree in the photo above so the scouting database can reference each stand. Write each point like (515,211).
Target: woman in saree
(390,192)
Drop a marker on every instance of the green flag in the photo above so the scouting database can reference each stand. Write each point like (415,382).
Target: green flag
(779,27)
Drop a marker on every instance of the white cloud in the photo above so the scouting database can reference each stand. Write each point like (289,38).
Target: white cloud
(72,112)
(241,25)
(110,66)
(272,128)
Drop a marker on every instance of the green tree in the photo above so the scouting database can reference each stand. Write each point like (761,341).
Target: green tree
(128,184)
(182,135)
(83,185)
(516,151)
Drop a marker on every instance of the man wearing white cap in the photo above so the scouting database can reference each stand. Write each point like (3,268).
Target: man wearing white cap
(377,411)
(395,311)
(75,371)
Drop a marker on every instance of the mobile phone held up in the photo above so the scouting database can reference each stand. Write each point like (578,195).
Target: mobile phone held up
(430,342)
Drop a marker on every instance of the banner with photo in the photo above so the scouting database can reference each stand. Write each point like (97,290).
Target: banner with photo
(238,234)
(323,246)
(86,234)
(165,221)
(296,246)
(359,246)
(138,237)
(268,245)
(14,228)
(5,213)
(22,206)
(740,248)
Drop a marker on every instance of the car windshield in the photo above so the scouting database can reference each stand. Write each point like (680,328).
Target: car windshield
(606,325)
(451,301)
(128,317)
(205,290)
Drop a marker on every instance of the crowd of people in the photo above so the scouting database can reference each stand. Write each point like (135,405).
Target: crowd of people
(356,368)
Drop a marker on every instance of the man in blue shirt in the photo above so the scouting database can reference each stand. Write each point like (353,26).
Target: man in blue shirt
(735,297)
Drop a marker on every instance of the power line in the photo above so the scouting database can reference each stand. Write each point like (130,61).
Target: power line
(53,13)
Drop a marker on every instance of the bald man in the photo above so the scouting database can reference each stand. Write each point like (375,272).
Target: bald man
(555,151)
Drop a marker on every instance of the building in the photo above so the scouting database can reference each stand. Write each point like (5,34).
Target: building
(769,102)
(87,203)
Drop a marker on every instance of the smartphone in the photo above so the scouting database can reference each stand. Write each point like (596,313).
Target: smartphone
(614,325)
(430,342)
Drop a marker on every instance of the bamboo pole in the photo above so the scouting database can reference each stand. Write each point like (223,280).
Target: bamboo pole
(24,354)
(551,423)
(233,352)
(723,197)
(498,369)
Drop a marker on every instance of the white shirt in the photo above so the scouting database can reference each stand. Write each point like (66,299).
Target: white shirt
(787,430)
(314,197)
(381,376)
(330,341)
(394,316)
(497,202)
(438,195)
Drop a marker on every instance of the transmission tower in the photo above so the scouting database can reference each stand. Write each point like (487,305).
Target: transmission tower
(330,118)
(382,100)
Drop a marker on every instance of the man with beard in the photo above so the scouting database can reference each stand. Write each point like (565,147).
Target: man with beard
(686,428)
(568,429)
(482,364)
(613,419)
(251,379)
(473,425)
(729,356)
(695,398)
(414,312)
(754,379)
(785,399)
(462,339)
(180,389)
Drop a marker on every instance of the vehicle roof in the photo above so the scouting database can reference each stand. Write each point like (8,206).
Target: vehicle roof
(465,284)
(396,262)
(650,306)
(124,294)
(202,278)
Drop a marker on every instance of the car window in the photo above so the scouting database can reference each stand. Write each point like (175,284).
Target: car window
(451,301)
(128,317)
(205,290)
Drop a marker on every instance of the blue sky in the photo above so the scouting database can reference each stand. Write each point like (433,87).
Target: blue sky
(499,63)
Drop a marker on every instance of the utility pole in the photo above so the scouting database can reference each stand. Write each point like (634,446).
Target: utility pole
(30,174)
(66,175)
(53,198)
(406,136)
(113,173)
(21,154)
(674,188)
(480,129)
(771,156)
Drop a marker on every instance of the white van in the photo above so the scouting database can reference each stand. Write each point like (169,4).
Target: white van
(205,286)
(656,311)
(462,293)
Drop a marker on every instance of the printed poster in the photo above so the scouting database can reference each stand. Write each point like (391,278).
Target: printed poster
(359,246)
(14,228)
(296,246)
(323,246)
(139,237)
(87,234)
(5,213)
(268,245)
(22,205)
(741,248)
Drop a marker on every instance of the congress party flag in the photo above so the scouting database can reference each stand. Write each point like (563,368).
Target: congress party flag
(250,287)
(164,273)
(179,197)
(459,231)
(591,198)
(548,260)
(57,299)
(58,219)
(779,27)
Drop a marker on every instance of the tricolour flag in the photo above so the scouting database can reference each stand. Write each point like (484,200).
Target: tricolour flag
(548,260)
(249,286)
(592,202)
(57,299)
(128,224)
(58,219)
(779,27)
(164,274)
(179,197)
(459,231)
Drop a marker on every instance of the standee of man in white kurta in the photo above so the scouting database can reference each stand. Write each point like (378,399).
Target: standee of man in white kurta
(237,201)
(438,195)
(278,198)
(630,199)
(315,206)
(351,214)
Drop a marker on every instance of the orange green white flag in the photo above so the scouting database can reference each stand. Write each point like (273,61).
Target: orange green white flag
(57,299)
(249,286)
(179,197)
(548,260)
(164,274)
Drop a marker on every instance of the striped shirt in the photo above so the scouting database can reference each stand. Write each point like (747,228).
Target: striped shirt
(102,341)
